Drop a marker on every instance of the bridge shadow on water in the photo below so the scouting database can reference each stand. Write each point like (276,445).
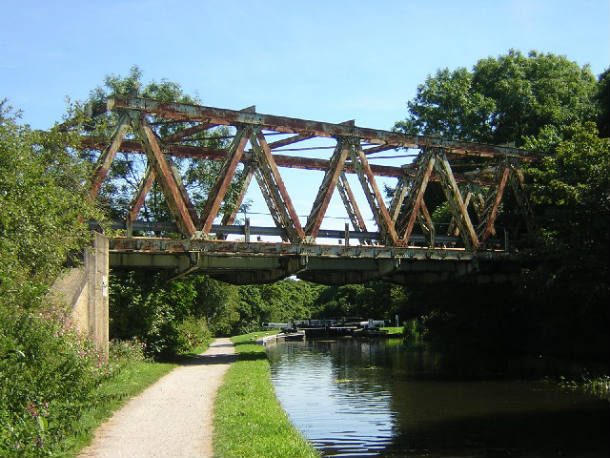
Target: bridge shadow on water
(570,432)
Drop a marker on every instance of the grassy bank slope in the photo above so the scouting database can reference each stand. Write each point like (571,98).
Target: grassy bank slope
(249,421)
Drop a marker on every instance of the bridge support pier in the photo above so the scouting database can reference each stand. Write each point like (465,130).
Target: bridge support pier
(86,291)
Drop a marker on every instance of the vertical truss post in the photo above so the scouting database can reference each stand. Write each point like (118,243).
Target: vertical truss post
(107,156)
(247,230)
(346,237)
(331,176)
(409,211)
(165,176)
(351,206)
(454,199)
(275,187)
(488,217)
(373,196)
(223,180)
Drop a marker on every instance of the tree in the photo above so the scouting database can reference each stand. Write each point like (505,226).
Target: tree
(47,374)
(603,101)
(503,100)
(43,193)
(197,175)
(546,104)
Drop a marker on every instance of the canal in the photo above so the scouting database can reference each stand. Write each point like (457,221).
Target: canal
(354,398)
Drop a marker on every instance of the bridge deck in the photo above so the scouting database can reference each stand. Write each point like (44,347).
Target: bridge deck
(259,262)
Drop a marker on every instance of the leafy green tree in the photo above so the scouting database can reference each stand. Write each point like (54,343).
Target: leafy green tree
(503,100)
(47,373)
(547,104)
(197,175)
(603,101)
(43,195)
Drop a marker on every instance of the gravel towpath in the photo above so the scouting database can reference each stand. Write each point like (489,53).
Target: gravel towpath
(173,417)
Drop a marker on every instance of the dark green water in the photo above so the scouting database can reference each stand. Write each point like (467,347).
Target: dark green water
(355,398)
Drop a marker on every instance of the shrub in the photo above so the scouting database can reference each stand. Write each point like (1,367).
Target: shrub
(47,374)
(192,332)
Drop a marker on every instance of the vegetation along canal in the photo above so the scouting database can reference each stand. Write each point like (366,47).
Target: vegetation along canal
(355,397)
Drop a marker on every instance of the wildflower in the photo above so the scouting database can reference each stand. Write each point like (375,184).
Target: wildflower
(32,410)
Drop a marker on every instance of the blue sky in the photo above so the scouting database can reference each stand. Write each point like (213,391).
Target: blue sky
(325,60)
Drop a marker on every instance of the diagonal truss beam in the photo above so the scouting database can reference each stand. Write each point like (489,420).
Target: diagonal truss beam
(327,187)
(452,229)
(517,183)
(454,199)
(373,196)
(409,211)
(494,198)
(290,141)
(351,206)
(400,192)
(107,155)
(223,180)
(243,185)
(165,175)
(426,223)
(273,183)
(378,149)
(271,200)
(188,132)
(143,190)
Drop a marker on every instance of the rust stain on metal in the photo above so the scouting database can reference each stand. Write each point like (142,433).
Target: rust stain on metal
(351,206)
(395,224)
(166,178)
(279,182)
(107,156)
(418,188)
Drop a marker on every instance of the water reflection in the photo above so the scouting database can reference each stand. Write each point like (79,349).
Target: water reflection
(336,404)
(378,398)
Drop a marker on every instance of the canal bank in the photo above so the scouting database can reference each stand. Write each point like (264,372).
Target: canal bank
(248,419)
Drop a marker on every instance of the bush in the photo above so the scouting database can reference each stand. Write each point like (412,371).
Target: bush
(47,374)
(192,332)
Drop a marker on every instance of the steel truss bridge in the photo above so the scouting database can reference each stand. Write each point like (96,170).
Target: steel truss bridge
(393,250)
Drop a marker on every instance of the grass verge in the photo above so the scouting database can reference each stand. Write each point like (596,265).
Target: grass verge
(249,421)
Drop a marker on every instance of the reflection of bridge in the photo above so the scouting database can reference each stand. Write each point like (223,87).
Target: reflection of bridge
(393,251)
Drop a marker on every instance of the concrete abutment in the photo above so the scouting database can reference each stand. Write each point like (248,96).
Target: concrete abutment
(86,291)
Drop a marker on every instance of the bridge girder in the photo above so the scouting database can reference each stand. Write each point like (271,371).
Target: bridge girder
(245,263)
(354,145)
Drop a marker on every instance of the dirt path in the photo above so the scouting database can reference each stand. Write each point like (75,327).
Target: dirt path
(173,417)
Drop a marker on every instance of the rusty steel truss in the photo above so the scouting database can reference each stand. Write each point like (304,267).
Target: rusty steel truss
(474,199)
(395,224)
